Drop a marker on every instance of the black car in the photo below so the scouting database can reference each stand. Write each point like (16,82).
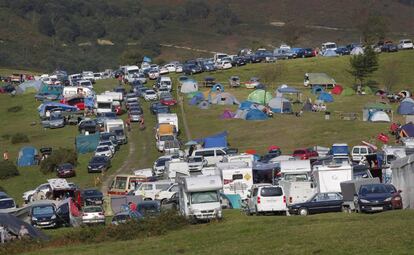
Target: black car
(342,51)
(157,107)
(191,69)
(305,53)
(374,198)
(88,125)
(65,170)
(319,203)
(98,164)
(238,61)
(43,215)
(171,203)
(91,196)
(149,208)
(389,47)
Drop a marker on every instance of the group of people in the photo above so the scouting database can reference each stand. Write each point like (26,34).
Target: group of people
(5,235)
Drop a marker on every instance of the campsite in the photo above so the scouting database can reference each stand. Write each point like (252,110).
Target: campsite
(212,152)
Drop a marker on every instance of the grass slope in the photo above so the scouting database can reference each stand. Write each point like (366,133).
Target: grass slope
(335,233)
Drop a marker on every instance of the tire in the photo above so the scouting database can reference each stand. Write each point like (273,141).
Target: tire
(163,201)
(303,212)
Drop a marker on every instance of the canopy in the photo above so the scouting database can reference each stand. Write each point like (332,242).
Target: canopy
(260,96)
(51,105)
(319,79)
(27,156)
(217,140)
(284,89)
(87,143)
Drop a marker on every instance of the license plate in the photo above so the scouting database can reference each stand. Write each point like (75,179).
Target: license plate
(376,208)
(98,202)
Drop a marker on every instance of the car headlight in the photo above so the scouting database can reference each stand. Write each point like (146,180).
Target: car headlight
(34,219)
(364,201)
(397,198)
(388,199)
(53,217)
(100,166)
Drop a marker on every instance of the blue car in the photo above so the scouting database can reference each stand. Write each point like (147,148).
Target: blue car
(342,50)
(319,203)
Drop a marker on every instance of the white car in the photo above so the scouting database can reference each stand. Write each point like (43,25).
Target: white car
(93,215)
(109,144)
(405,44)
(264,198)
(179,69)
(171,67)
(164,70)
(196,163)
(153,74)
(225,64)
(166,194)
(103,151)
(85,83)
(28,195)
(158,168)
(150,95)
(162,90)
(148,190)
(359,152)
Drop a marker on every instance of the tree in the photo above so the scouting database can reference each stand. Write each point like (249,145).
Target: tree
(363,65)
(130,57)
(390,75)
(45,26)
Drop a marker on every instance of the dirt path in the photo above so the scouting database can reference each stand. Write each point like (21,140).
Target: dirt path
(184,117)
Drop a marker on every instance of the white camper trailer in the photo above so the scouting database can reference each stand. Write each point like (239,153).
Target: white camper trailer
(329,177)
(237,178)
(199,197)
(103,103)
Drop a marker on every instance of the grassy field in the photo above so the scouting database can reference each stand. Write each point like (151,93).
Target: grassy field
(335,233)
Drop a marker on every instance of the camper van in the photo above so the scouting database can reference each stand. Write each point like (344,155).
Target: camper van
(131,73)
(328,177)
(116,126)
(199,197)
(165,132)
(296,181)
(69,92)
(103,103)
(247,158)
(237,178)
(148,190)
(328,46)
(168,118)
(123,184)
(116,96)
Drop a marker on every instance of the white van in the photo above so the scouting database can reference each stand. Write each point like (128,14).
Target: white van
(212,155)
(265,198)
(148,190)
(359,152)
(328,46)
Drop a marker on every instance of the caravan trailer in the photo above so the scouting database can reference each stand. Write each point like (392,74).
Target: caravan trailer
(237,178)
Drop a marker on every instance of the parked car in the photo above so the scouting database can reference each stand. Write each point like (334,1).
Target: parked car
(171,203)
(378,197)
(223,65)
(43,215)
(167,99)
(153,74)
(91,196)
(359,152)
(405,44)
(6,203)
(93,215)
(123,217)
(111,144)
(305,153)
(190,69)
(104,151)
(88,126)
(266,198)
(342,50)
(149,208)
(135,115)
(389,47)
(44,188)
(319,203)
(196,163)
(66,170)
(99,164)
(252,83)
(157,107)
(150,95)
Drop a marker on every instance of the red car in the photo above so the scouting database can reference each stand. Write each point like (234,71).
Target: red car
(66,170)
(76,101)
(305,153)
(169,101)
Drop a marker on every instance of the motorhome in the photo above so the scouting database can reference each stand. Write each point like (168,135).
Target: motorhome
(247,158)
(69,92)
(296,180)
(199,197)
(237,178)
(131,73)
(165,132)
(103,103)
(328,177)
(116,96)
(168,118)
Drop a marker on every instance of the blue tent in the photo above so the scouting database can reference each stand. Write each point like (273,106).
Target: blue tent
(29,86)
(147,59)
(197,98)
(217,87)
(245,105)
(406,108)
(87,143)
(234,200)
(256,114)
(317,89)
(326,97)
(52,105)
(27,156)
(407,130)
(217,140)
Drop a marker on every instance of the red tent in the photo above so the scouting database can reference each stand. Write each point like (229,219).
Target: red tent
(337,90)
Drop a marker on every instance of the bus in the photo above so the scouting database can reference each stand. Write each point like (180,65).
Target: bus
(123,184)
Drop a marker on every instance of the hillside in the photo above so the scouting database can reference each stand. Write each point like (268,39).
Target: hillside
(46,36)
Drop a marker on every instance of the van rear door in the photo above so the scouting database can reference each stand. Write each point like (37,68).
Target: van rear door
(272,199)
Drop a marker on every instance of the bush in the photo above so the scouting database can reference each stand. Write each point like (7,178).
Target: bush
(59,156)
(7,170)
(17,108)
(19,138)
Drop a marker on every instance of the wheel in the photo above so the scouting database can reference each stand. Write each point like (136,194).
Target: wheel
(303,211)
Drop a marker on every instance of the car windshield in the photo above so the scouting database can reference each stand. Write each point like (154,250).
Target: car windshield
(162,161)
(103,148)
(5,204)
(145,208)
(92,209)
(150,92)
(66,166)
(204,197)
(195,159)
(98,159)
(167,138)
(42,210)
(92,192)
(299,152)
(373,189)
(296,177)
(271,192)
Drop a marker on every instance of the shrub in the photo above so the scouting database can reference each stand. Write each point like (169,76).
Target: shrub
(59,156)
(17,108)
(7,170)
(5,136)
(19,138)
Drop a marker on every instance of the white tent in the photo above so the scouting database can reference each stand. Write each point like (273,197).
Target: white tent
(357,51)
(280,104)
(189,86)
(224,99)
(379,116)
(403,179)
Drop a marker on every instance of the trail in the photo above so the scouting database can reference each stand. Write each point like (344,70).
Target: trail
(184,117)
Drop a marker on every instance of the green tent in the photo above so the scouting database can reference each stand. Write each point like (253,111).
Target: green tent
(367,90)
(192,94)
(260,96)
(348,91)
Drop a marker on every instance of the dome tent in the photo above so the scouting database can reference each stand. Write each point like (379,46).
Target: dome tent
(217,88)
(203,105)
(197,98)
(225,99)
(260,96)
(280,105)
(348,91)
(406,107)
(379,116)
(326,97)
(255,114)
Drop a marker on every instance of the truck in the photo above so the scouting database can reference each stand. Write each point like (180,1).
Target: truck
(199,197)
(103,103)
(296,181)
(237,178)
(117,127)
(328,177)
(168,118)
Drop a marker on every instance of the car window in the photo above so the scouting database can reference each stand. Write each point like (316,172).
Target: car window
(255,192)
(271,192)
(333,196)
(299,152)
(355,150)
(319,198)
(220,153)
(208,154)
(162,186)
(146,187)
(363,151)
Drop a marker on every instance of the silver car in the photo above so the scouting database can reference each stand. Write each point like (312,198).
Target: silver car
(93,215)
